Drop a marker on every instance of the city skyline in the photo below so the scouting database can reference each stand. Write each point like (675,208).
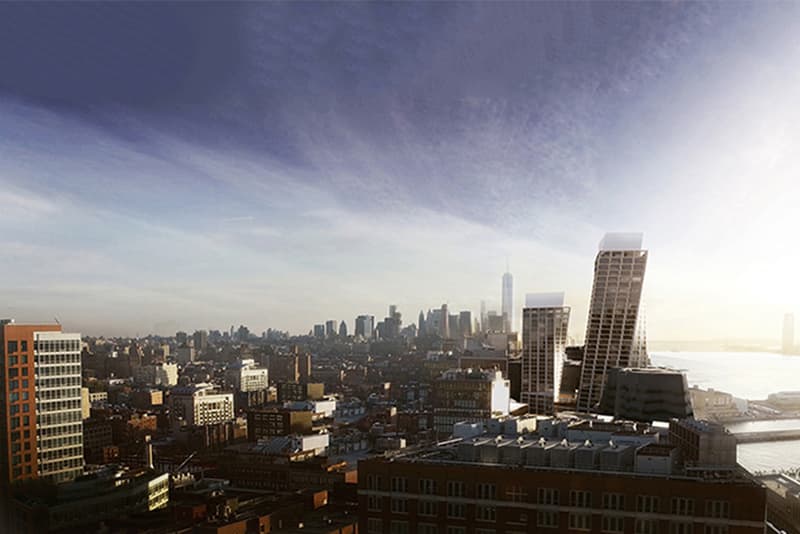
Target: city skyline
(243,178)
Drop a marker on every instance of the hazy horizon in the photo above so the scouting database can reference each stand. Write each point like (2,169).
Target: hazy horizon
(183,166)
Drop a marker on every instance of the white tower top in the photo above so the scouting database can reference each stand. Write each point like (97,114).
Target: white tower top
(544,300)
(621,241)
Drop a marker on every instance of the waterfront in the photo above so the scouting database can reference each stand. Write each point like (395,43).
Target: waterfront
(748,375)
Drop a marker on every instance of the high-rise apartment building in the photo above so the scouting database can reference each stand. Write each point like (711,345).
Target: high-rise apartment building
(40,403)
(788,333)
(508,302)
(545,321)
(614,334)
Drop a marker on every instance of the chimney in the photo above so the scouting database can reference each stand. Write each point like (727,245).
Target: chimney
(148,454)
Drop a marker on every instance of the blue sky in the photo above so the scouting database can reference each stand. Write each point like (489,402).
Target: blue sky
(188,165)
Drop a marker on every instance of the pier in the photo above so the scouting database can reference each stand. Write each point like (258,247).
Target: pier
(769,435)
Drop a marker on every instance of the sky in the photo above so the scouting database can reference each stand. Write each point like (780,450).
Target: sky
(169,166)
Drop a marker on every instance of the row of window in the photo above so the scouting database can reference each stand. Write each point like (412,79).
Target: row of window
(45,394)
(54,359)
(60,458)
(55,370)
(16,360)
(60,345)
(59,418)
(551,497)
(612,525)
(57,382)
(58,443)
(71,428)
(14,346)
(14,385)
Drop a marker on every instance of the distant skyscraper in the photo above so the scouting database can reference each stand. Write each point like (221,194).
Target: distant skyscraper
(41,431)
(465,323)
(319,330)
(788,333)
(444,328)
(545,321)
(494,323)
(614,337)
(330,328)
(392,324)
(365,324)
(181,338)
(508,302)
(200,340)
(484,317)
(421,325)
(342,329)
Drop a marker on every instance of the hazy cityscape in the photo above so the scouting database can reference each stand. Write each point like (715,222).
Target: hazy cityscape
(457,268)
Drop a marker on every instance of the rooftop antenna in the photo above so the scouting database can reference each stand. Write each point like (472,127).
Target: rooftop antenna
(57,321)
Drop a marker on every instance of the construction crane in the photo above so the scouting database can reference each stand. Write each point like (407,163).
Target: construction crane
(183,463)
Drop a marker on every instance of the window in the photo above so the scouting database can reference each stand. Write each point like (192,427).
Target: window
(516,494)
(683,527)
(682,506)
(613,523)
(373,482)
(456,530)
(455,489)
(12,347)
(718,509)
(398,527)
(427,528)
(646,526)
(427,508)
(613,501)
(485,513)
(373,503)
(24,345)
(580,521)
(427,486)
(455,510)
(486,491)
(400,484)
(647,504)
(580,499)
(485,531)
(546,519)
(547,496)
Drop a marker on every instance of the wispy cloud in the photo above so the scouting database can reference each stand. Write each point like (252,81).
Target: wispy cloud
(16,201)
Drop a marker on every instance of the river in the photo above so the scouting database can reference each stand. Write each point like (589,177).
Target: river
(747,375)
